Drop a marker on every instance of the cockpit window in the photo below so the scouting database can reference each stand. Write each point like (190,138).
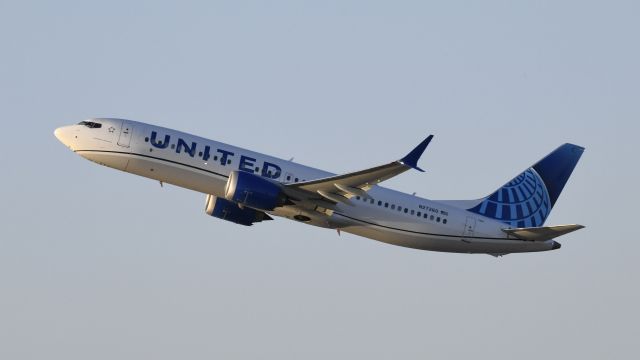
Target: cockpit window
(90,124)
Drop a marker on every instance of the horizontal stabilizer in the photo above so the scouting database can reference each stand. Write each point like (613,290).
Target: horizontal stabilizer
(542,233)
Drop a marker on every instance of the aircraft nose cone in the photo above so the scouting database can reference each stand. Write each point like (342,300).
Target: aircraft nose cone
(63,135)
(58,133)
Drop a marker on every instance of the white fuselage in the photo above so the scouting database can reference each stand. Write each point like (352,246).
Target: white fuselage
(204,165)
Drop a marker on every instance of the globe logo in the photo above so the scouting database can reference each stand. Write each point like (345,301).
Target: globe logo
(523,202)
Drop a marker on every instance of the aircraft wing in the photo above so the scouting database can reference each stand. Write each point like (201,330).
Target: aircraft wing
(340,188)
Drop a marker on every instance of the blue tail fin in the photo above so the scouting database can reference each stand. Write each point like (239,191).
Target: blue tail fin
(527,200)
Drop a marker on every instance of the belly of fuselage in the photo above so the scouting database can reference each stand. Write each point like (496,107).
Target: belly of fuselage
(443,243)
(161,170)
(179,175)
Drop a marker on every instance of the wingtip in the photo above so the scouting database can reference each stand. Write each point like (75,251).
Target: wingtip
(575,146)
(412,158)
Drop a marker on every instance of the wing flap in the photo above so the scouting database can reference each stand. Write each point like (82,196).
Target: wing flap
(543,233)
(335,197)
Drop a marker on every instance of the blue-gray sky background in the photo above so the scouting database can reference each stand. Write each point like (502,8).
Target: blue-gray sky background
(100,264)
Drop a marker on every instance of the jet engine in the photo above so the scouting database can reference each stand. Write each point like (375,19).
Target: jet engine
(230,211)
(254,191)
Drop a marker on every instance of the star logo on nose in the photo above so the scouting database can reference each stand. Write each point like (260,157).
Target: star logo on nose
(112,129)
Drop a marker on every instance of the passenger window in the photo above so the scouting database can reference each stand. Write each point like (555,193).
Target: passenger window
(425,215)
(406,210)
(444,221)
(386,204)
(431,217)
(372,201)
(438,219)
(288,177)
(379,203)
(393,206)
(399,208)
(357,197)
(419,214)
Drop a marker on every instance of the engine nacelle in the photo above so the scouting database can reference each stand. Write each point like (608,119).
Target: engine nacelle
(230,211)
(254,191)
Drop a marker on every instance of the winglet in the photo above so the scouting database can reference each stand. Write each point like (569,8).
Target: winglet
(412,158)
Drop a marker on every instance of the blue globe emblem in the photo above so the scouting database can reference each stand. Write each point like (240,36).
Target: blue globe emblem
(523,202)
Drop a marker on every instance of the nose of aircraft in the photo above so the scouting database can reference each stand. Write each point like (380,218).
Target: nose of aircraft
(58,133)
(62,133)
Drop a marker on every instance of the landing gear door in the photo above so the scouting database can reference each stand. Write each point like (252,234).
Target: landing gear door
(469,227)
(126,130)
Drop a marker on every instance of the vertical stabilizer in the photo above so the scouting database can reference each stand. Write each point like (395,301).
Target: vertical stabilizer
(527,200)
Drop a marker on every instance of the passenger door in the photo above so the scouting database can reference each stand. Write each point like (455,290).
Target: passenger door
(126,131)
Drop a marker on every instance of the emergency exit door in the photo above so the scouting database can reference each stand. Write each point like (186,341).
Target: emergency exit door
(469,227)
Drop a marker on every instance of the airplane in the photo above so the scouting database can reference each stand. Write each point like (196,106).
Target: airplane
(246,188)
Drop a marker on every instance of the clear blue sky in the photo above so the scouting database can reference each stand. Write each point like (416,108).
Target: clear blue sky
(100,264)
